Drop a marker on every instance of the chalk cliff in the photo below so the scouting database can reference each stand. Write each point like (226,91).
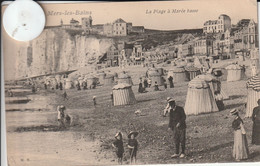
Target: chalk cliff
(58,50)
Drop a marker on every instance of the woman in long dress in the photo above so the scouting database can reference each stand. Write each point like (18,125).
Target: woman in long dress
(240,149)
(256,125)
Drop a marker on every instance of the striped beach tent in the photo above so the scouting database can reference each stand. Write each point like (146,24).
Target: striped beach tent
(123,94)
(234,72)
(199,98)
(253,94)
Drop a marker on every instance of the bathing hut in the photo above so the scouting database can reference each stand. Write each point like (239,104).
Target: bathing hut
(160,71)
(68,83)
(192,72)
(234,72)
(91,81)
(253,94)
(123,94)
(151,70)
(214,84)
(109,79)
(156,77)
(199,98)
(124,78)
(81,79)
(178,74)
(101,77)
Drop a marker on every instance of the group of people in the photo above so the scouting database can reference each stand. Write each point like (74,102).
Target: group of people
(132,145)
(63,119)
(147,83)
(177,125)
(143,84)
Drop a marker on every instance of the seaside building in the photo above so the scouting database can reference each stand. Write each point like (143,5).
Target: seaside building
(246,36)
(222,24)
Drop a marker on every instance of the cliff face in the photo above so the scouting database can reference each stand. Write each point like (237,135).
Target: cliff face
(56,50)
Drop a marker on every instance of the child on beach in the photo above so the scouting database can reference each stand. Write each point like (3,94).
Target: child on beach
(240,149)
(156,86)
(94,101)
(132,146)
(149,82)
(118,144)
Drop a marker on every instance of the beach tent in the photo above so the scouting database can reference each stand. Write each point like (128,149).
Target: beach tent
(156,77)
(124,78)
(151,70)
(178,74)
(214,84)
(253,94)
(91,80)
(192,72)
(58,78)
(199,98)
(123,94)
(81,79)
(101,77)
(160,70)
(68,83)
(109,79)
(234,72)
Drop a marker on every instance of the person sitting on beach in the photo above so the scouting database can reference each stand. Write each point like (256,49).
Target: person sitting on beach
(132,146)
(68,120)
(156,86)
(118,144)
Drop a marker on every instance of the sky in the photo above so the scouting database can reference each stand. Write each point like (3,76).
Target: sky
(152,15)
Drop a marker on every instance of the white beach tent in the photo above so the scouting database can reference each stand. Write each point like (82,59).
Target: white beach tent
(234,72)
(124,78)
(156,77)
(253,94)
(178,74)
(68,83)
(101,77)
(199,98)
(123,94)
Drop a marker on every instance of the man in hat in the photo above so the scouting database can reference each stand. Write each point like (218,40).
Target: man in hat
(177,124)
(256,124)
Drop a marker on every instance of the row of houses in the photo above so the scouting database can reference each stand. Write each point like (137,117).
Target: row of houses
(223,43)
(117,28)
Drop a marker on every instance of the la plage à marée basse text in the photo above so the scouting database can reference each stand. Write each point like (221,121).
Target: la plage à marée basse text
(167,11)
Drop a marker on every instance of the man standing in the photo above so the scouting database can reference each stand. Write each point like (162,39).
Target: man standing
(177,125)
(256,125)
(170,79)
